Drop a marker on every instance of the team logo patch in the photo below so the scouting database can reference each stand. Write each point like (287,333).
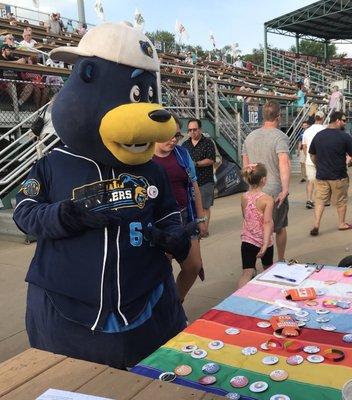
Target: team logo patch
(152,191)
(122,192)
(30,187)
(146,48)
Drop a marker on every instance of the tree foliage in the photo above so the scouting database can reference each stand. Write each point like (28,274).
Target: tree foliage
(312,48)
(164,37)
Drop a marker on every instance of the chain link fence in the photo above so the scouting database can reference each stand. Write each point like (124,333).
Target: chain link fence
(19,99)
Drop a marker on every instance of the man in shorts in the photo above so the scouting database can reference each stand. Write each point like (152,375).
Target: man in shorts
(308,136)
(270,146)
(328,152)
(202,151)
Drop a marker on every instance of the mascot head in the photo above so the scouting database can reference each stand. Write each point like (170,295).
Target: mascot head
(108,109)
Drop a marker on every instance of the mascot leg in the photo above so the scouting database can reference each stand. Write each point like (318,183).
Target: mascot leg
(48,330)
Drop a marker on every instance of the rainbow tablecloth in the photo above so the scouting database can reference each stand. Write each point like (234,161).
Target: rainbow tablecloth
(243,310)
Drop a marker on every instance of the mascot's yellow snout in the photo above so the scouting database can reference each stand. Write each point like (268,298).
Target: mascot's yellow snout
(129,131)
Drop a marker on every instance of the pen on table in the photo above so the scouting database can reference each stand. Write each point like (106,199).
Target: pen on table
(285,278)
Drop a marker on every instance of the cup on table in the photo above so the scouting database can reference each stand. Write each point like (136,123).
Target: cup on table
(347,391)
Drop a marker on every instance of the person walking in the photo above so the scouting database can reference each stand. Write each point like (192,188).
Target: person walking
(257,231)
(181,172)
(328,152)
(307,138)
(270,146)
(202,151)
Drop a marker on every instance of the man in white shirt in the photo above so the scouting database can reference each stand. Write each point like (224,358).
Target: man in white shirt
(27,41)
(308,136)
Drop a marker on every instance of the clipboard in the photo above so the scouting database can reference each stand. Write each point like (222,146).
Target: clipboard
(287,275)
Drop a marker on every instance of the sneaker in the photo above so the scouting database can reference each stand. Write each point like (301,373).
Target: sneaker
(309,205)
(314,232)
(302,180)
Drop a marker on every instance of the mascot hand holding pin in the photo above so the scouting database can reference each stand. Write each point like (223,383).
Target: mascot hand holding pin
(100,285)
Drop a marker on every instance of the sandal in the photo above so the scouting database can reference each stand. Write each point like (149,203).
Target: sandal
(314,232)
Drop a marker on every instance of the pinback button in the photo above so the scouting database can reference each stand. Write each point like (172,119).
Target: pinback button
(347,338)
(344,304)
(320,292)
(167,376)
(279,397)
(258,387)
(216,345)
(295,360)
(263,324)
(328,327)
(315,358)
(303,319)
(188,348)
(183,370)
(348,273)
(232,331)
(301,314)
(207,380)
(322,320)
(210,368)
(233,396)
(322,311)
(199,353)
(311,349)
(278,375)
(270,360)
(330,303)
(311,303)
(239,381)
(249,351)
(301,323)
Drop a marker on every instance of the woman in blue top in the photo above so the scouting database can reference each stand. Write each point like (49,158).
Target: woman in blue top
(180,169)
(301,96)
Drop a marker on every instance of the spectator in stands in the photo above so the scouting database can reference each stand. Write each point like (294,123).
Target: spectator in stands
(202,151)
(13,21)
(82,29)
(189,59)
(328,152)
(69,26)
(181,172)
(41,23)
(249,65)
(306,83)
(53,25)
(238,63)
(336,99)
(27,41)
(270,146)
(308,136)
(10,41)
(62,26)
(299,103)
(6,55)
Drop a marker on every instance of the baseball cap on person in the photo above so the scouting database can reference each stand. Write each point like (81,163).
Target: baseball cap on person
(6,46)
(320,114)
(117,42)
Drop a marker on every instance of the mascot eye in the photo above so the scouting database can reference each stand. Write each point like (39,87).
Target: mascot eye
(135,94)
(150,94)
(87,71)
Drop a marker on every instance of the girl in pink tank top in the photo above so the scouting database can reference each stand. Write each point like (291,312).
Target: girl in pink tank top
(257,231)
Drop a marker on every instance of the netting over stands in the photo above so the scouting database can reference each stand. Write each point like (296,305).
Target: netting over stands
(19,99)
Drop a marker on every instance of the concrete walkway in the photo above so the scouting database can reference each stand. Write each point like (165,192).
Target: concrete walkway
(221,256)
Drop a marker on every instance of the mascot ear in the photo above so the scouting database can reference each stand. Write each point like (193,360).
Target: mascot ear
(87,70)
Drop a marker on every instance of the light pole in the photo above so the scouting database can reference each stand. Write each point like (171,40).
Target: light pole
(80,8)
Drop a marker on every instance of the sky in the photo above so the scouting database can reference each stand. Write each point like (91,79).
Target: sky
(230,21)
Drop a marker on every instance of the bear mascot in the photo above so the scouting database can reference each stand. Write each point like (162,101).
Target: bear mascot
(100,286)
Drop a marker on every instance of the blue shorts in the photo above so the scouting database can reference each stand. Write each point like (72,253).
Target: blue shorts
(48,330)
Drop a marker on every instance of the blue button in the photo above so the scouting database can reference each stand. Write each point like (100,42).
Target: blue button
(210,368)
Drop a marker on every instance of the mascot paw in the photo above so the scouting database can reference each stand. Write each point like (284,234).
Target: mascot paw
(176,241)
(75,219)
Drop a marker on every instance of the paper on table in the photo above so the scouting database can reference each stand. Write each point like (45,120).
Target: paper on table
(288,275)
(54,394)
